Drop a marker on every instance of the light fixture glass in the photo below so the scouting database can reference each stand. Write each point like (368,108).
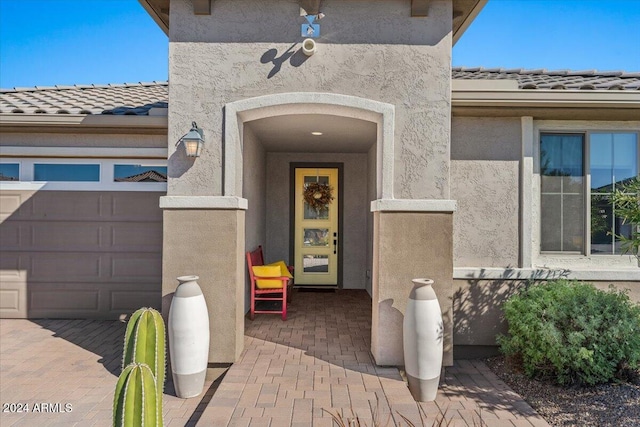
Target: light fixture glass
(193,141)
(316,133)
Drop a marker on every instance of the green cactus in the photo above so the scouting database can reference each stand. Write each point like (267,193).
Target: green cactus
(135,401)
(144,342)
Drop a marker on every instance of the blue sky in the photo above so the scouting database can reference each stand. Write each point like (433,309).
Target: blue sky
(47,42)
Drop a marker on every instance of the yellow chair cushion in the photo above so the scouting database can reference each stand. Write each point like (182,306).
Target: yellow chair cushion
(284,270)
(267,271)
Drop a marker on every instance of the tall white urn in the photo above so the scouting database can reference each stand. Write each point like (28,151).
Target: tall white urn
(188,338)
(422,341)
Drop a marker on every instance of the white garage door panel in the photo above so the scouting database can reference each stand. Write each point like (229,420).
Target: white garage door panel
(136,236)
(10,301)
(127,301)
(9,203)
(68,300)
(141,266)
(64,266)
(79,254)
(63,206)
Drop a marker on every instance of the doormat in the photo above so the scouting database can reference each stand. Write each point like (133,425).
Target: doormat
(315,290)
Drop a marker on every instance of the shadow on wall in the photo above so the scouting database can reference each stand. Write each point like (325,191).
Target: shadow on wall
(394,316)
(179,161)
(296,59)
(477,307)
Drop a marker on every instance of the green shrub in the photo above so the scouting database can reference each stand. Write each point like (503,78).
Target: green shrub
(572,332)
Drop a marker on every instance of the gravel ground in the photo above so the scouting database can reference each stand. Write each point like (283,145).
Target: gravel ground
(612,405)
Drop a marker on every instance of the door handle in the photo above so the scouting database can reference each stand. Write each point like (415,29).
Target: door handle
(335,246)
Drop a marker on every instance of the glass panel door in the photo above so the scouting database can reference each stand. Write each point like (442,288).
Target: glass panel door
(316,227)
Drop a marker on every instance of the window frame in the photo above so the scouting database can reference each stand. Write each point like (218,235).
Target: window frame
(105,183)
(585,258)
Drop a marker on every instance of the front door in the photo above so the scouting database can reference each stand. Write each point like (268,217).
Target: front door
(316,227)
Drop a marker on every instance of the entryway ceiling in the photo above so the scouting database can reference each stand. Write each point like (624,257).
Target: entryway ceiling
(292,133)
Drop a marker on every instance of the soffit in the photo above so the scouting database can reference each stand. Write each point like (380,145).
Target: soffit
(549,113)
(464,12)
(292,133)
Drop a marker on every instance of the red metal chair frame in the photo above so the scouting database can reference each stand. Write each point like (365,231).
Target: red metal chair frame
(256,258)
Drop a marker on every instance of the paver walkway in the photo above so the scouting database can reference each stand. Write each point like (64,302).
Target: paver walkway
(318,363)
(296,372)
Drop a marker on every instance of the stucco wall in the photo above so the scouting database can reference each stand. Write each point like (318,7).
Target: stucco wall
(209,244)
(374,50)
(254,190)
(409,245)
(355,210)
(371,195)
(485,155)
(35,139)
(478,315)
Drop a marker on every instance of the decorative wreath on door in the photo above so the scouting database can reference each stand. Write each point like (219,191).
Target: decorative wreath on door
(318,195)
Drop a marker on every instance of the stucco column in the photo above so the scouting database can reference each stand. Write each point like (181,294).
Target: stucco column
(204,236)
(414,243)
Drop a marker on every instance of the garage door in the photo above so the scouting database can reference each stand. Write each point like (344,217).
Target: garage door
(79,254)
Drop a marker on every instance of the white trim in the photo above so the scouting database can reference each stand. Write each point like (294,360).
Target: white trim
(412,205)
(586,125)
(85,120)
(526,204)
(239,112)
(106,182)
(579,262)
(480,273)
(203,202)
(480,97)
(86,152)
(22,186)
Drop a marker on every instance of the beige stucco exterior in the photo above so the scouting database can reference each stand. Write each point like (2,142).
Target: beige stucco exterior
(485,170)
(220,71)
(208,53)
(209,242)
(444,187)
(409,245)
(478,315)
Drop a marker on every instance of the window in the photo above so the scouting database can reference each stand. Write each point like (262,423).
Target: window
(9,172)
(83,174)
(568,161)
(562,189)
(614,161)
(139,173)
(66,172)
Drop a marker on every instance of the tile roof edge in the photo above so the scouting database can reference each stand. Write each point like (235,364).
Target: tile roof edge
(617,73)
(41,88)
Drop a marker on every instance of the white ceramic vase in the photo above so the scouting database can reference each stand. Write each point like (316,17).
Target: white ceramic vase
(422,341)
(188,338)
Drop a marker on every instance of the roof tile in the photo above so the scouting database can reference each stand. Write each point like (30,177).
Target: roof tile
(116,99)
(139,98)
(554,79)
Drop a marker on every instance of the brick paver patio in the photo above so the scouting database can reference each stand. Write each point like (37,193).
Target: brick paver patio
(297,373)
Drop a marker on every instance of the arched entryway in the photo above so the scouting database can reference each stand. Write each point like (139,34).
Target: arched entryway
(269,138)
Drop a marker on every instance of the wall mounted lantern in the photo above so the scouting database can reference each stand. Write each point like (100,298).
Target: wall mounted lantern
(193,141)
